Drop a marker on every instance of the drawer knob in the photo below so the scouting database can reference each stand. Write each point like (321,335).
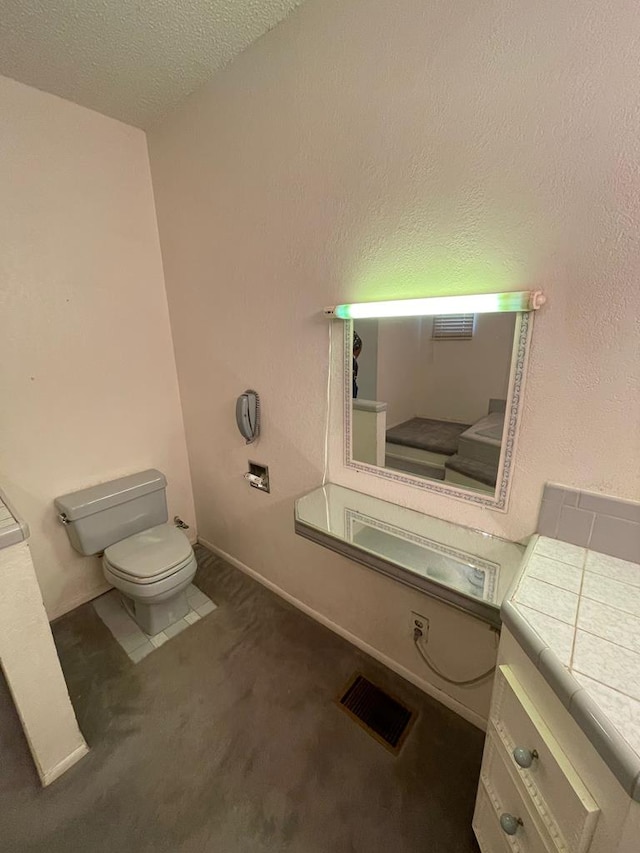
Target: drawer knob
(509,823)
(524,757)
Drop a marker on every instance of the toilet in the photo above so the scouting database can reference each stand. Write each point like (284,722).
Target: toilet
(149,561)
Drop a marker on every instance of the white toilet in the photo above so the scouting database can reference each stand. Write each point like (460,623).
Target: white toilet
(151,562)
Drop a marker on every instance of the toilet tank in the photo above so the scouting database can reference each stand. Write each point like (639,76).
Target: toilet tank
(101,515)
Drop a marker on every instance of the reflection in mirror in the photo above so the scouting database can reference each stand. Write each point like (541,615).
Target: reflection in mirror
(454,569)
(429,396)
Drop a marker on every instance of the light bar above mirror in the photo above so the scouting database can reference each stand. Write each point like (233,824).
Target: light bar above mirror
(479,303)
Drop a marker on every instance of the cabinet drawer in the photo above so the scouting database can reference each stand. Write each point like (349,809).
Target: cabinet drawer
(551,783)
(497,795)
(487,828)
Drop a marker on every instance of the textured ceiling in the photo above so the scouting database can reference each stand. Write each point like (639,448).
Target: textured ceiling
(129,60)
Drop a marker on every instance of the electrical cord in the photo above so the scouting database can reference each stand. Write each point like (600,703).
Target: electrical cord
(469,682)
(328,401)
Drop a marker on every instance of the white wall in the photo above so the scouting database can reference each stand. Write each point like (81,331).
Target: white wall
(88,381)
(458,378)
(368,150)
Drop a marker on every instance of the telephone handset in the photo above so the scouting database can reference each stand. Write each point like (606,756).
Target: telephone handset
(248,415)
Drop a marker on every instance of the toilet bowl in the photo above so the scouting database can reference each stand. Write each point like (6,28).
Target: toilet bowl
(149,561)
(152,570)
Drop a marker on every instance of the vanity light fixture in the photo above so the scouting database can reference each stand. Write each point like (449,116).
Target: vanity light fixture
(479,303)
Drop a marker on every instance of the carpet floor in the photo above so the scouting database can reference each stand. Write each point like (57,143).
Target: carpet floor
(228,739)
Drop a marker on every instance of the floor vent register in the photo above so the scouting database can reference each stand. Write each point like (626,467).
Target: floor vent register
(385,718)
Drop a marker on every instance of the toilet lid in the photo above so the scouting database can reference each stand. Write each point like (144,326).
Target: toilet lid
(151,553)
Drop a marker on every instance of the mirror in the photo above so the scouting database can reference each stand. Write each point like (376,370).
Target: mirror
(433,400)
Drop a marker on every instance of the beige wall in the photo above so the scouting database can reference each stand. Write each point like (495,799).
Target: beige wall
(458,378)
(399,367)
(448,380)
(88,382)
(31,667)
(364,151)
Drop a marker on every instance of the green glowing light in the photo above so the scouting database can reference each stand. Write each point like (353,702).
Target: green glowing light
(480,303)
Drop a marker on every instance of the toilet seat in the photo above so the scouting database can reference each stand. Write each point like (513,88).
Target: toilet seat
(151,556)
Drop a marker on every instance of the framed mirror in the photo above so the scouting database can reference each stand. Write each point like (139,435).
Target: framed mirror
(434,401)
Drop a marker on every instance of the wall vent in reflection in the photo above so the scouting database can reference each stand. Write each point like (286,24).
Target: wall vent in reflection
(453,327)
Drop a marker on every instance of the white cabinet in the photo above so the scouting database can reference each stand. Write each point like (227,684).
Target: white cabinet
(554,794)
(555,791)
(522,832)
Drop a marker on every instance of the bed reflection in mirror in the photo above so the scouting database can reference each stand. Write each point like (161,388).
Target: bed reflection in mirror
(429,395)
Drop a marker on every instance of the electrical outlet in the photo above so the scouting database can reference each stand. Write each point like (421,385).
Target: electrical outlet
(419,621)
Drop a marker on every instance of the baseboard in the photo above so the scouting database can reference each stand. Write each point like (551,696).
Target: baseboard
(426,687)
(49,776)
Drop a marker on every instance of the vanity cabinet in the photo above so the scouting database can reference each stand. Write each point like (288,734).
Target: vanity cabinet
(543,787)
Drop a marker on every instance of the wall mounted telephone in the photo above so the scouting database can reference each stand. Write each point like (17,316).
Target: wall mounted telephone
(248,415)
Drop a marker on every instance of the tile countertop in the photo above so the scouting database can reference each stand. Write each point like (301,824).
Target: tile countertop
(12,528)
(576,614)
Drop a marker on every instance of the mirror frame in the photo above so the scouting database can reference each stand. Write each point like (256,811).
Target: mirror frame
(500,498)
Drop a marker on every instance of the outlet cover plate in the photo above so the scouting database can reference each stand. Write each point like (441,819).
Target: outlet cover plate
(419,621)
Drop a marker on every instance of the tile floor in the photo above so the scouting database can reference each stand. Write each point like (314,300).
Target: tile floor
(131,637)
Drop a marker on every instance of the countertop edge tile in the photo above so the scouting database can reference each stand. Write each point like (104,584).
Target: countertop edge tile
(532,644)
(16,532)
(558,676)
(12,536)
(607,740)
(621,758)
